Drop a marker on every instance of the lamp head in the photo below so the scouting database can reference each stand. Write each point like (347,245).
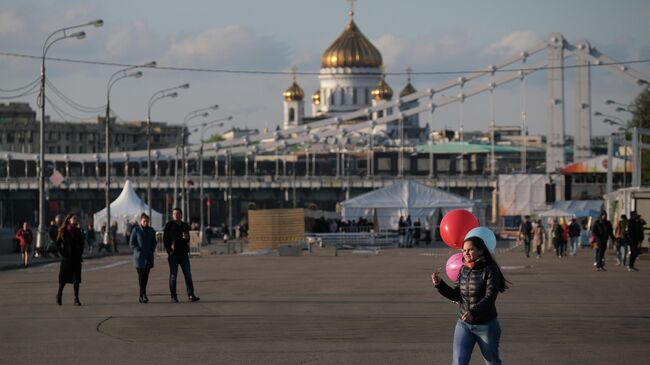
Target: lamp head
(173,95)
(184,86)
(78,35)
(149,64)
(97,23)
(137,75)
(621,109)
(598,114)
(215,106)
(204,114)
(609,101)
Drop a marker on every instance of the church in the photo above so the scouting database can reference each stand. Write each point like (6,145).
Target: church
(351,78)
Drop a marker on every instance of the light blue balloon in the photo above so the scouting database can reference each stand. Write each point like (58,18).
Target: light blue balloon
(486,235)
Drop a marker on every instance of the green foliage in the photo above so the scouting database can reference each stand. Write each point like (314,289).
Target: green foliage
(640,109)
(215,138)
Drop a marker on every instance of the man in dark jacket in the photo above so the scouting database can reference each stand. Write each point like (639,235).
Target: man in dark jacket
(602,231)
(526,234)
(176,237)
(574,236)
(635,235)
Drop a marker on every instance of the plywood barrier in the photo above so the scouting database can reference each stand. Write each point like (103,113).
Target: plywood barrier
(268,229)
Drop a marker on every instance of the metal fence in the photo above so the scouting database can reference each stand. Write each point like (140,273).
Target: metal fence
(357,239)
(195,244)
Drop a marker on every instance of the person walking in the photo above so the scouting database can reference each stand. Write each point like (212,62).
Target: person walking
(25,238)
(143,243)
(401,231)
(176,237)
(105,239)
(602,231)
(417,231)
(526,233)
(621,240)
(574,237)
(91,239)
(538,237)
(70,243)
(635,235)
(479,282)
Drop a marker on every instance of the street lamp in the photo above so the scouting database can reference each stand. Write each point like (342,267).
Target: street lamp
(205,126)
(61,35)
(203,112)
(154,98)
(115,77)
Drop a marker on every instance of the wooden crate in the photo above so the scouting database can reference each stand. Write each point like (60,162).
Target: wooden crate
(271,228)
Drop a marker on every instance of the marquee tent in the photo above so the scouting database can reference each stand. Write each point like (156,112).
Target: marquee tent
(127,208)
(385,206)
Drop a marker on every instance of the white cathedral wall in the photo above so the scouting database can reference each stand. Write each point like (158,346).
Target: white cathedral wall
(338,87)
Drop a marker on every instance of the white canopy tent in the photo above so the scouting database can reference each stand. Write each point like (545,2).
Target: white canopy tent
(404,198)
(127,208)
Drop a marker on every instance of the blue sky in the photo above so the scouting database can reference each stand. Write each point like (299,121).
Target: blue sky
(427,35)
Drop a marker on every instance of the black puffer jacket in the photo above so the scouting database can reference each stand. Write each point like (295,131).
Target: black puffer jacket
(476,289)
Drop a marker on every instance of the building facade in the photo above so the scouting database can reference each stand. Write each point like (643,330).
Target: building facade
(19,132)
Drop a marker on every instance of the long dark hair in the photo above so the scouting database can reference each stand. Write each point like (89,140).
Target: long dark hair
(62,227)
(479,245)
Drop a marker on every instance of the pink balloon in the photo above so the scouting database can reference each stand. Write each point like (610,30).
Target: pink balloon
(455,225)
(454,264)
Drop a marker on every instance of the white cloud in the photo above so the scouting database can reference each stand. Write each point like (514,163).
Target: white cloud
(512,43)
(10,23)
(421,52)
(135,41)
(231,46)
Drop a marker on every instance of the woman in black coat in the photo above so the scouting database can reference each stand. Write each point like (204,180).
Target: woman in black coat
(477,286)
(70,243)
(143,243)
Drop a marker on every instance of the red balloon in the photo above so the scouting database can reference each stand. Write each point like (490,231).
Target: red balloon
(455,225)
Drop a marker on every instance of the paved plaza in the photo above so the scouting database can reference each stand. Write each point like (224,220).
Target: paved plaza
(356,308)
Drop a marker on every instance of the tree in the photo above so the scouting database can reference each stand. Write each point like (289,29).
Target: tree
(640,110)
(215,138)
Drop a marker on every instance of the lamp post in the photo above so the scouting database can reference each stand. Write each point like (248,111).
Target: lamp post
(115,77)
(57,35)
(158,95)
(203,112)
(215,123)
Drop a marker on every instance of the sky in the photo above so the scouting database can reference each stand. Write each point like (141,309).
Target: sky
(257,35)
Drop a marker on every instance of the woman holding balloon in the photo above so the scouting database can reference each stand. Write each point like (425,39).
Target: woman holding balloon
(477,284)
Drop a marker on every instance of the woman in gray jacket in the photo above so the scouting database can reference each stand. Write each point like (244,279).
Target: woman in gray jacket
(143,243)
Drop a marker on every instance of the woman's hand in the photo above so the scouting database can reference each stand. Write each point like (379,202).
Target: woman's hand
(435,278)
(467,317)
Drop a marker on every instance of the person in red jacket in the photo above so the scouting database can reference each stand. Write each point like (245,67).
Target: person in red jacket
(25,238)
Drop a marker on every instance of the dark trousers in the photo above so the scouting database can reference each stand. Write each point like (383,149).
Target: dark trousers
(184,262)
(527,246)
(600,254)
(634,252)
(143,279)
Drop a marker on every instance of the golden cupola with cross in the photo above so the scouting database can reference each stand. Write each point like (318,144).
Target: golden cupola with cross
(294,107)
(350,69)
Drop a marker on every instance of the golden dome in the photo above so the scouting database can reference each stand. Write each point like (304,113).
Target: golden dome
(351,49)
(293,93)
(382,91)
(315,97)
(408,90)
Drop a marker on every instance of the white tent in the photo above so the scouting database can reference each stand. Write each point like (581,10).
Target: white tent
(127,208)
(406,198)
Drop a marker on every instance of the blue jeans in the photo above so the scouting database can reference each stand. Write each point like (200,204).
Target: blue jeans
(487,335)
(573,249)
(184,262)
